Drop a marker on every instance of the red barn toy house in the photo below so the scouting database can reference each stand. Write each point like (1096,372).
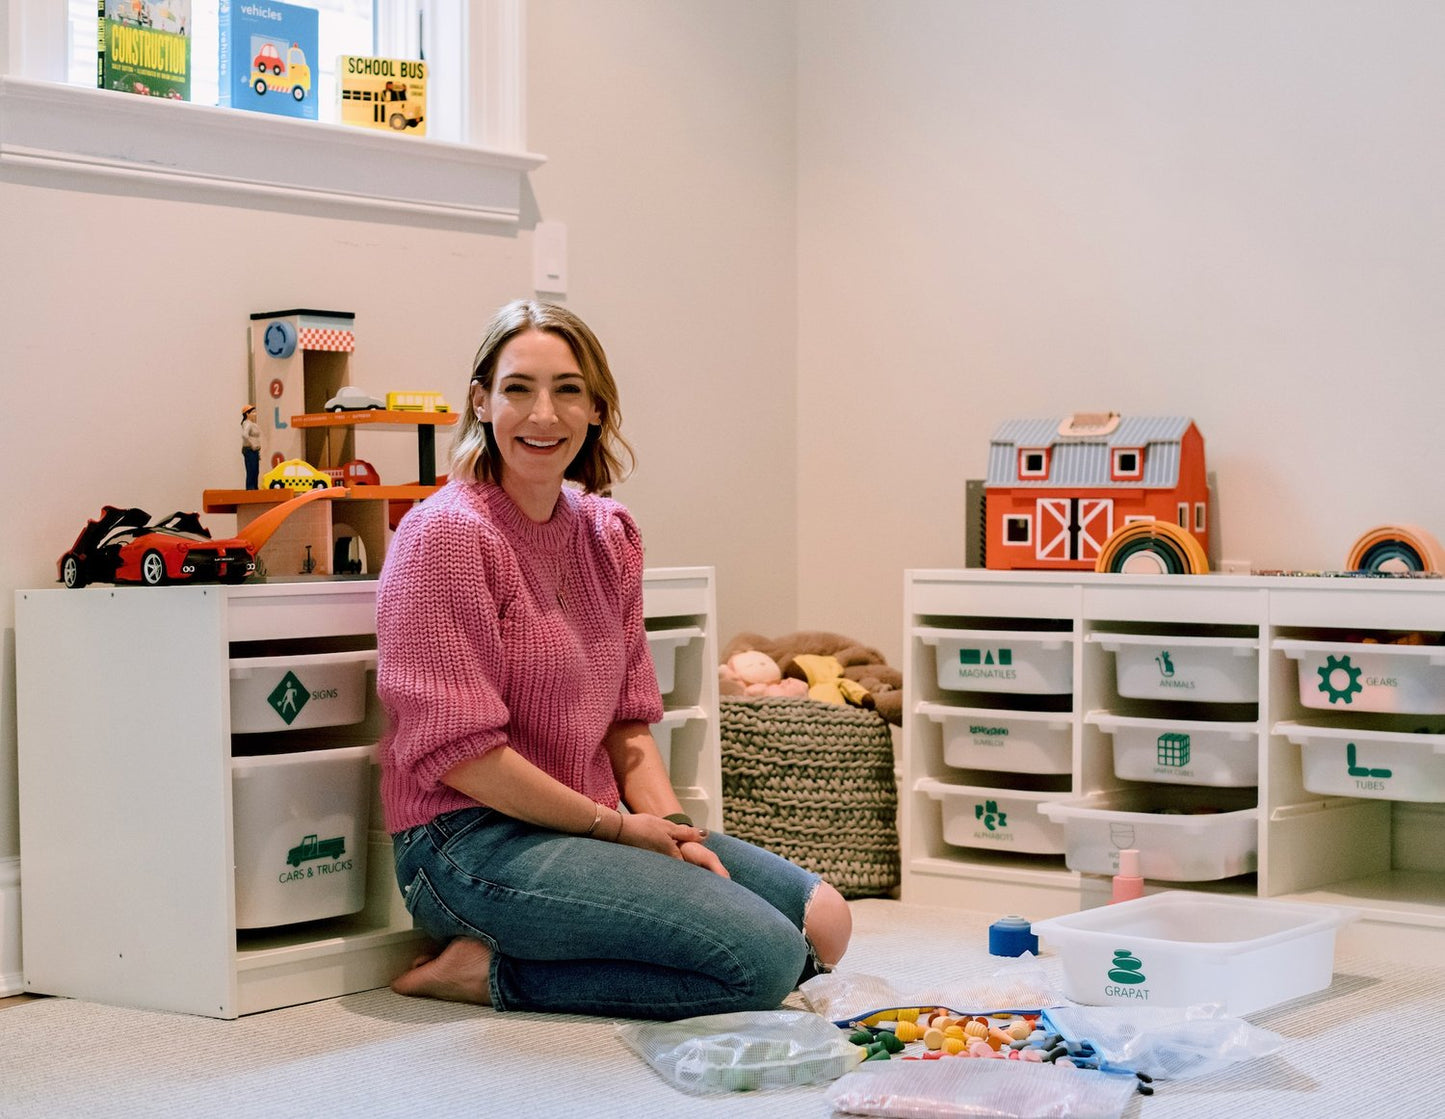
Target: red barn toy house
(1058,488)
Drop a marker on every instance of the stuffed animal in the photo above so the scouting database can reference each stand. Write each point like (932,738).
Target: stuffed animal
(754,673)
(882,685)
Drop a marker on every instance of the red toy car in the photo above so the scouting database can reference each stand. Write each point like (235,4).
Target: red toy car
(268,59)
(121,546)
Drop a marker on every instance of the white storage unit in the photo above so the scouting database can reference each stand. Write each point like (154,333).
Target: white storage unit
(156,798)
(681,608)
(1263,736)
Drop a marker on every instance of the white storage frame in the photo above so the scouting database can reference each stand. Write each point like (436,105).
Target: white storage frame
(1383,859)
(126,837)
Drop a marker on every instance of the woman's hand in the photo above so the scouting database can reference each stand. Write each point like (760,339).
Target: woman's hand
(699,855)
(676,841)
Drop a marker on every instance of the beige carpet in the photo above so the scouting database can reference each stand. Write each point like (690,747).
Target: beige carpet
(1364,1047)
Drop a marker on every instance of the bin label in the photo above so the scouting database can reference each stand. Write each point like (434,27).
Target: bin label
(311,849)
(986,664)
(1126,973)
(993,820)
(288,697)
(1167,677)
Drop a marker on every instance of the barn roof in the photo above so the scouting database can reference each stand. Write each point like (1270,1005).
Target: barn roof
(1085,460)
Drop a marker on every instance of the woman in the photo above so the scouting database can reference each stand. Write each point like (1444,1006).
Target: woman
(513,667)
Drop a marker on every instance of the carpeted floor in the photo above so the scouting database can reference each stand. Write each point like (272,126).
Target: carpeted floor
(375,1054)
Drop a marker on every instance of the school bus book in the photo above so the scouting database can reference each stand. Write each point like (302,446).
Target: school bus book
(267,50)
(387,93)
(144,47)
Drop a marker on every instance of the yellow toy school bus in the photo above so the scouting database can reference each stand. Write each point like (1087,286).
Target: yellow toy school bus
(416,402)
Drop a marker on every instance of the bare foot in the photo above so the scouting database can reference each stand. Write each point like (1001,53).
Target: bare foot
(458,974)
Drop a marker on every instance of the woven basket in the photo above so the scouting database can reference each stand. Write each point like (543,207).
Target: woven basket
(813,782)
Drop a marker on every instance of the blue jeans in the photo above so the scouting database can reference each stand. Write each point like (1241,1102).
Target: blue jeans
(584,927)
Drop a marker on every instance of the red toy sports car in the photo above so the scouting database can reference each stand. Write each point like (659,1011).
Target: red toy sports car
(121,546)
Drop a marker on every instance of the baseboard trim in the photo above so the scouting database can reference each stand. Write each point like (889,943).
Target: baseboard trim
(12,979)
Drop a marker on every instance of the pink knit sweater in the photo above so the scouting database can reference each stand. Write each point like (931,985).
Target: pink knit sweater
(494,629)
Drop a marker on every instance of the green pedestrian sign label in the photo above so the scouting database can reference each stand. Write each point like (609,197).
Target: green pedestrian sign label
(288,697)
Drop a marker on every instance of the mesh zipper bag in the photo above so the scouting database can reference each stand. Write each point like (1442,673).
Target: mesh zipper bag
(744,1052)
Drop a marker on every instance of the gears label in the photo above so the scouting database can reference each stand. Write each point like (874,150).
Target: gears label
(1340,679)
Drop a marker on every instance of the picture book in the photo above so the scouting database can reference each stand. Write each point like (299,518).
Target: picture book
(267,49)
(387,93)
(144,46)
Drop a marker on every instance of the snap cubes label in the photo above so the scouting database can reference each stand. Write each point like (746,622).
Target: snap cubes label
(1171,754)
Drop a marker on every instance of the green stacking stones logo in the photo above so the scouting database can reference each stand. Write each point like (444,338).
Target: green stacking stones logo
(288,697)
(1125,974)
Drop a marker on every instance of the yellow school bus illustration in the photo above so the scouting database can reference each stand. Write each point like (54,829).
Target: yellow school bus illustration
(383,93)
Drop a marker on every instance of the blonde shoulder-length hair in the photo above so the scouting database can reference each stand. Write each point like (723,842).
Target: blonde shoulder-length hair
(605,456)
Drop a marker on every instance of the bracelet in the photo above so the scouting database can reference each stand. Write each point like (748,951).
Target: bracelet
(597,819)
(621,818)
(680,818)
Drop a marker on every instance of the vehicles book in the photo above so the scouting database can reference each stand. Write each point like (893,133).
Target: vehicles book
(267,50)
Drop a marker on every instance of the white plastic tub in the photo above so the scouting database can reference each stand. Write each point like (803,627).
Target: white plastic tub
(1013,741)
(300,823)
(1182,751)
(1353,676)
(1029,662)
(1197,669)
(672,721)
(297,693)
(665,645)
(1385,765)
(1181,949)
(995,819)
(1182,833)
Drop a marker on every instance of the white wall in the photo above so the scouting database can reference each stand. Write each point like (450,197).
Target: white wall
(1222,210)
(668,129)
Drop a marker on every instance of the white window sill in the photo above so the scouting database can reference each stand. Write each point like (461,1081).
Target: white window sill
(175,149)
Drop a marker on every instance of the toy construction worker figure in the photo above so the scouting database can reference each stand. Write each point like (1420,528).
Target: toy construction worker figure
(251,446)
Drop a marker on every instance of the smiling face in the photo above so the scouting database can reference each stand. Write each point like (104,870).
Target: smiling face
(540,408)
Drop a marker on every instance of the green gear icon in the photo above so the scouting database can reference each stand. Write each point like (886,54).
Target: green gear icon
(1351,689)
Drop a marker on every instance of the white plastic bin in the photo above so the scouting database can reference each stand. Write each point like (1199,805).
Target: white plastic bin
(1385,765)
(300,823)
(1013,741)
(1197,669)
(1182,833)
(1354,676)
(1182,949)
(995,819)
(297,693)
(672,721)
(1030,662)
(1181,751)
(665,645)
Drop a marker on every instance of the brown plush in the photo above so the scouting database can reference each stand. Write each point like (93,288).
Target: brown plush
(860,662)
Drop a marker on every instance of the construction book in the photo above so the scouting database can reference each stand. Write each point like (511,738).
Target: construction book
(387,93)
(144,47)
(267,50)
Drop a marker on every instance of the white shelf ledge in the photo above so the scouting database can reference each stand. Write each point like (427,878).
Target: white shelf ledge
(70,135)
